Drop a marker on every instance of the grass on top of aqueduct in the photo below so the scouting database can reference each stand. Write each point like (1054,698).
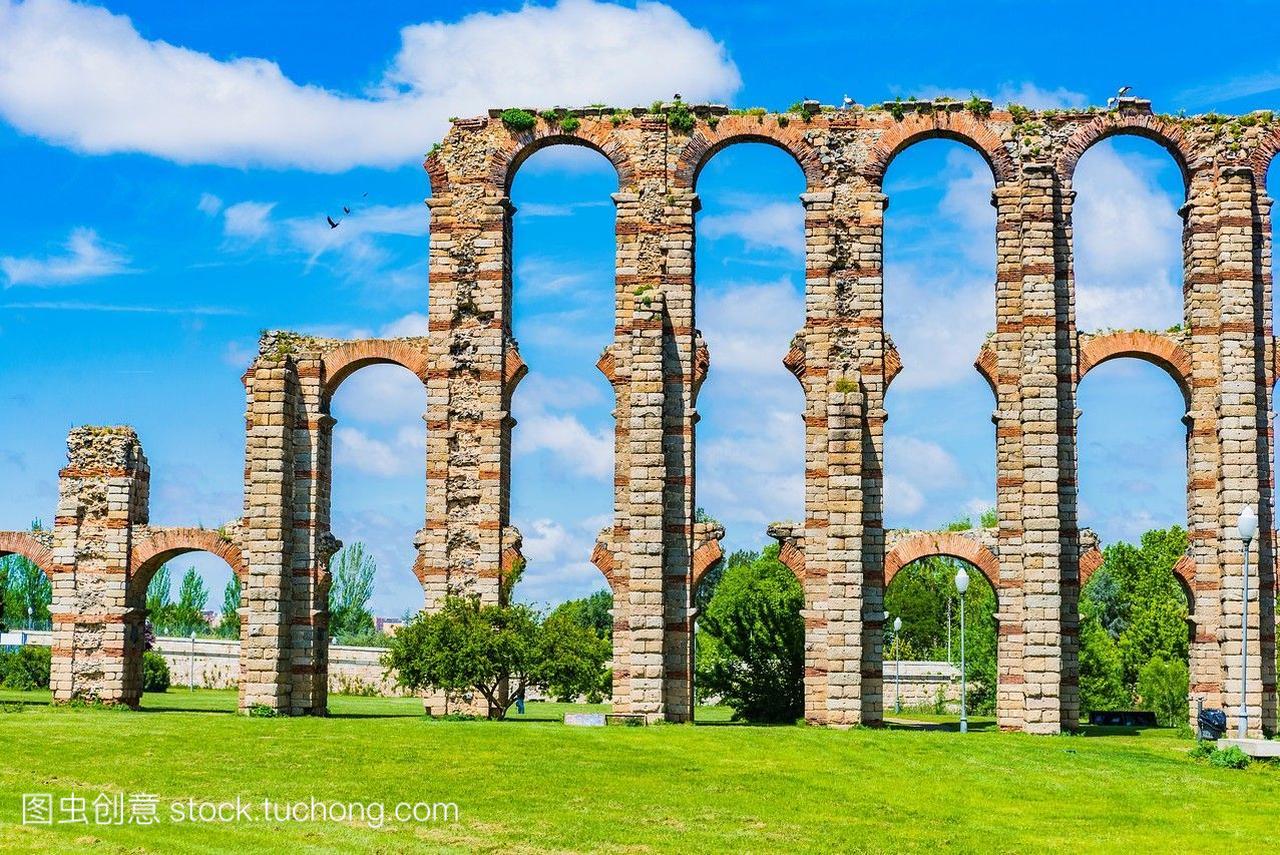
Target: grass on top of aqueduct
(536,785)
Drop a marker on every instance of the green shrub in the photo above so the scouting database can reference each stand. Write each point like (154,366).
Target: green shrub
(262,711)
(570,124)
(25,668)
(1203,750)
(1229,758)
(155,672)
(518,120)
(679,119)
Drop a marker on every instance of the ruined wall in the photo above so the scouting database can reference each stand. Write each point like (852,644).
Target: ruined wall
(654,552)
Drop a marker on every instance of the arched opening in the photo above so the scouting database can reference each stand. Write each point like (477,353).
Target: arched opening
(924,660)
(1134,493)
(26,598)
(374,502)
(749,303)
(939,304)
(187,587)
(1128,236)
(563,294)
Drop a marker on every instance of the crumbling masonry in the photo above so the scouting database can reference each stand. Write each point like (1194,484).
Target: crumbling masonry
(102,552)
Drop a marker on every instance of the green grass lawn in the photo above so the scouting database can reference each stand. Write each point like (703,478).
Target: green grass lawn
(532,784)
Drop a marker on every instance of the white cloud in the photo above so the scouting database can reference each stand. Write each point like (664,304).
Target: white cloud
(238,355)
(581,450)
(248,221)
(412,324)
(209,204)
(86,257)
(1038,98)
(82,77)
(921,462)
(901,497)
(759,225)
(748,327)
(357,449)
(1128,243)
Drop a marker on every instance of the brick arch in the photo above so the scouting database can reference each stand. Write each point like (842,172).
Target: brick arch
(962,127)
(602,557)
(706,556)
(1264,156)
(705,143)
(342,362)
(1159,350)
(946,544)
(986,365)
(24,544)
(1167,135)
(595,135)
(154,549)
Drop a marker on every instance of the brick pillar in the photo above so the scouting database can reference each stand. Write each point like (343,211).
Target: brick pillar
(1245,451)
(643,543)
(1007,346)
(272,394)
(679,417)
(313,542)
(1047,406)
(468,404)
(846,356)
(98,636)
(1201,304)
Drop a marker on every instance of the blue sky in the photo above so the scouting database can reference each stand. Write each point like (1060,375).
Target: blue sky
(167,169)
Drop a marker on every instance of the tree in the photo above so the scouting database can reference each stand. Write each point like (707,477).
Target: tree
(187,615)
(753,653)
(1101,671)
(707,585)
(349,594)
(499,651)
(1163,688)
(594,612)
(229,625)
(159,607)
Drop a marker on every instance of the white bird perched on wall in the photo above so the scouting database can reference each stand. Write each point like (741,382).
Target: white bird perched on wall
(847,104)
(1112,101)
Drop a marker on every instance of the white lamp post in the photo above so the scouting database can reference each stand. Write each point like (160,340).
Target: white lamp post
(1246,527)
(962,585)
(191,665)
(897,666)
(30,612)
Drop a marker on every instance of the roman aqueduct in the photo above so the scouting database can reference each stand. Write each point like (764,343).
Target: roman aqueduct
(101,551)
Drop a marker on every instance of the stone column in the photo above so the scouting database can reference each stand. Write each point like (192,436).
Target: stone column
(102,497)
(1048,512)
(1006,343)
(468,408)
(272,393)
(1245,452)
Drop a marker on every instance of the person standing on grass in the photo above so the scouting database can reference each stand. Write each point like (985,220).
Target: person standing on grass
(520,701)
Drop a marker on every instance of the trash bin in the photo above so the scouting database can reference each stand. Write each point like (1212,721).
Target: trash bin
(1211,724)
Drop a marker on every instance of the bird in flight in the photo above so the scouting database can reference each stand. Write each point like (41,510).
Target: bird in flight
(346,210)
(332,224)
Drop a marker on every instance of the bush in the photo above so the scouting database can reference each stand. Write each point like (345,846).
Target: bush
(25,668)
(155,672)
(518,120)
(1203,751)
(1163,688)
(1229,758)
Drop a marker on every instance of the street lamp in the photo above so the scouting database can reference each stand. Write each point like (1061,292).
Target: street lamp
(191,665)
(962,585)
(30,612)
(897,666)
(1246,527)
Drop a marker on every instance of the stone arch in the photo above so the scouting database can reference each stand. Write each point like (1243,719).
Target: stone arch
(986,366)
(946,544)
(342,362)
(158,547)
(1167,135)
(704,144)
(1184,570)
(602,557)
(705,557)
(1264,156)
(24,544)
(962,127)
(1157,349)
(596,136)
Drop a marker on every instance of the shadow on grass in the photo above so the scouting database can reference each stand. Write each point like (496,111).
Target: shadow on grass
(941,726)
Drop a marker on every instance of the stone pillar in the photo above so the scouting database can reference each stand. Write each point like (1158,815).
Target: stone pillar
(1047,512)
(98,637)
(468,404)
(1204,532)
(1245,452)
(1006,344)
(272,393)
